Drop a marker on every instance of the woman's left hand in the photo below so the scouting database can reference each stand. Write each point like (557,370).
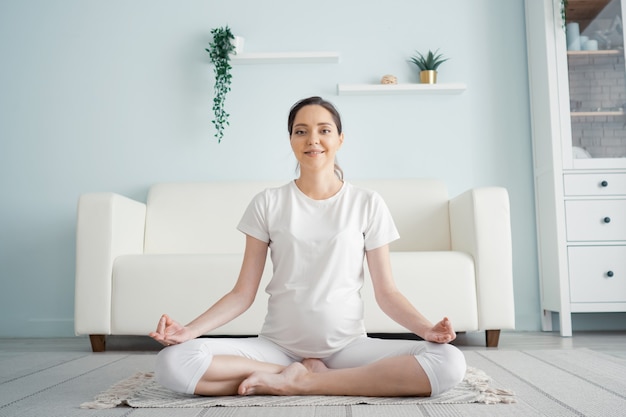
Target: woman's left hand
(441,332)
(170,332)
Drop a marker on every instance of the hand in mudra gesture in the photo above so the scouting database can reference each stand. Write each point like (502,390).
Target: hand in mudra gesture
(170,332)
(441,332)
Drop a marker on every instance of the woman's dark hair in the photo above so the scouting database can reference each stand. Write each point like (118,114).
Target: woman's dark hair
(316,101)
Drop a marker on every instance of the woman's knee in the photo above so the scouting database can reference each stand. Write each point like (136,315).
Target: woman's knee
(180,367)
(456,368)
(445,366)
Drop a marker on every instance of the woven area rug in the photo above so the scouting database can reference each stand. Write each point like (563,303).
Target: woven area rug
(142,391)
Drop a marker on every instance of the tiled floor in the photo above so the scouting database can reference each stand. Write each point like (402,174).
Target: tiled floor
(51,377)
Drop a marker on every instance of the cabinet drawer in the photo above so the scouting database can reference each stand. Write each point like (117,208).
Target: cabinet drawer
(594,184)
(597,274)
(592,220)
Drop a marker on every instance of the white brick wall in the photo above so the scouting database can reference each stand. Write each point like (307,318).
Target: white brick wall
(597,83)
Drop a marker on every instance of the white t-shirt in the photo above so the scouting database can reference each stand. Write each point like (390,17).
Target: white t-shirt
(317,249)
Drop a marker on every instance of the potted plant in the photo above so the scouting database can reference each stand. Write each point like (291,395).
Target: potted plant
(219,50)
(428,65)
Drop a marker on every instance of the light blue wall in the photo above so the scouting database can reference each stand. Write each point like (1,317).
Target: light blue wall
(116,95)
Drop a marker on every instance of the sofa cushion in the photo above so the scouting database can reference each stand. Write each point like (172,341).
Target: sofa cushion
(184,286)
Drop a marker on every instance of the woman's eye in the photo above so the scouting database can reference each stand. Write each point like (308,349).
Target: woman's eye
(326,131)
(299,132)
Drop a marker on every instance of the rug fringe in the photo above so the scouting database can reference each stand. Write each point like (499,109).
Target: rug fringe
(480,381)
(119,393)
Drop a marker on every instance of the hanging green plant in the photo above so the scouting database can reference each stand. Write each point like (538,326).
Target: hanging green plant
(219,50)
(564,12)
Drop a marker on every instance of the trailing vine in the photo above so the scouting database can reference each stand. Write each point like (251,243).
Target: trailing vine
(564,12)
(219,51)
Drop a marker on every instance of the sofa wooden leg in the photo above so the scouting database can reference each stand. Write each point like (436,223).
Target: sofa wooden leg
(98,342)
(493,337)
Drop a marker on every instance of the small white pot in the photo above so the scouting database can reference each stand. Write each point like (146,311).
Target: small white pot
(238,42)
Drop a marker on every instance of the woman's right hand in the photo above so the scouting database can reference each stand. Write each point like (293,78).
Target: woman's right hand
(170,332)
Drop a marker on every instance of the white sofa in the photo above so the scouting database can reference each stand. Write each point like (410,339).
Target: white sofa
(180,251)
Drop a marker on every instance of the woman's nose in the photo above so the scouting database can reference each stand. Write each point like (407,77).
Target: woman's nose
(314,138)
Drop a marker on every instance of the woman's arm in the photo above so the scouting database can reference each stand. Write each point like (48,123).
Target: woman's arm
(230,306)
(395,304)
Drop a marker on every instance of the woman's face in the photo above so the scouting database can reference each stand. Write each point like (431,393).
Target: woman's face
(315,138)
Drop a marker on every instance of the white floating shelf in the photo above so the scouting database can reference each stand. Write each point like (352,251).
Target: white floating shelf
(597,113)
(598,52)
(285,58)
(388,89)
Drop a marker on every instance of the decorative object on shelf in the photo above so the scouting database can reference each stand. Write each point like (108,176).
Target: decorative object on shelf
(612,37)
(238,42)
(590,45)
(428,65)
(564,12)
(572,34)
(219,50)
(580,153)
(389,79)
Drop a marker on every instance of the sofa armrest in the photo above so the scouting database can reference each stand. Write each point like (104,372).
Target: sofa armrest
(108,225)
(480,224)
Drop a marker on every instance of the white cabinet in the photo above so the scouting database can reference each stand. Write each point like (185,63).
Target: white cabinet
(579,155)
(597,277)
(595,220)
(602,184)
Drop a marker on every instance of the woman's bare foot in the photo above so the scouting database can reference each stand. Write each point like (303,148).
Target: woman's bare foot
(315,365)
(289,382)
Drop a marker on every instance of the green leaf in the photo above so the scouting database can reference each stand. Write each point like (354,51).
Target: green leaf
(431,61)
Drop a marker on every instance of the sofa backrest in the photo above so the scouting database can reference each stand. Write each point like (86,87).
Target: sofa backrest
(420,210)
(198,217)
(202,217)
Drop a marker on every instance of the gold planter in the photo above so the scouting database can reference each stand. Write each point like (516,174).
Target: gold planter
(428,77)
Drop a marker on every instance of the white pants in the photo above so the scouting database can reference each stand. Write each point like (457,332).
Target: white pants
(180,367)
